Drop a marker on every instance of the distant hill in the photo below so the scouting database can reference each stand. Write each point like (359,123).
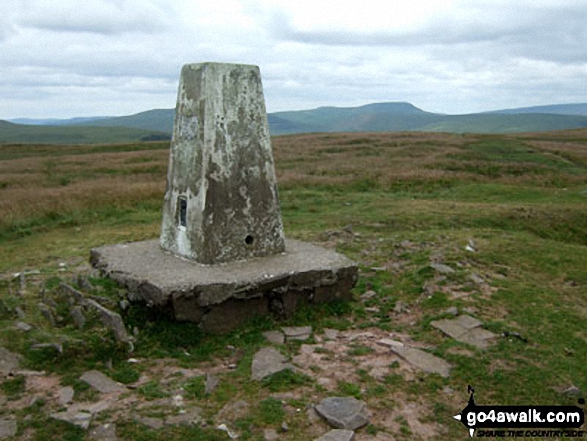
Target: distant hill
(57,122)
(37,134)
(377,117)
(557,109)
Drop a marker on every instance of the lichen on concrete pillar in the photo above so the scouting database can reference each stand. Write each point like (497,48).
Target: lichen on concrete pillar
(221,203)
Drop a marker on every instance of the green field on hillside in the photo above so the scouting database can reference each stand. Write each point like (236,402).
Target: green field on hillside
(506,213)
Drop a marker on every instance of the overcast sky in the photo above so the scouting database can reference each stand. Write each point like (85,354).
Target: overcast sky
(65,58)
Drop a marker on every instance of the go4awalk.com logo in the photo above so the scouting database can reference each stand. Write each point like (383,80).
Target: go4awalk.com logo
(522,421)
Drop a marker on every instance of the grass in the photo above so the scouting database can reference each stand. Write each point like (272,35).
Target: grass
(393,203)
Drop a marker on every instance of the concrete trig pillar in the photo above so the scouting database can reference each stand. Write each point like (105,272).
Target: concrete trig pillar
(221,202)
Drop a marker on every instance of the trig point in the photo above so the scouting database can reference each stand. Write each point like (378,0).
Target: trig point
(221,202)
(222,257)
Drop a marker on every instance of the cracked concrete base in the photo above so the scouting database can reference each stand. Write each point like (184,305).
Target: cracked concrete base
(221,297)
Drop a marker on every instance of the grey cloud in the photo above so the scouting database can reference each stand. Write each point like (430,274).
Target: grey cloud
(98,17)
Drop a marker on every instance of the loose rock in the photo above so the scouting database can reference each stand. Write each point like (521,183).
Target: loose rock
(77,314)
(22,326)
(65,395)
(101,382)
(274,337)
(337,435)
(441,268)
(297,332)
(113,321)
(8,428)
(46,313)
(268,361)
(211,383)
(465,329)
(343,412)
(80,419)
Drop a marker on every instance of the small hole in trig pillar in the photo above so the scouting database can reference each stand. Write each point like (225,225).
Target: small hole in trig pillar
(183,211)
(249,240)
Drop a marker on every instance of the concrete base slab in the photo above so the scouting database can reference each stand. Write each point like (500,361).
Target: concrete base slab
(221,297)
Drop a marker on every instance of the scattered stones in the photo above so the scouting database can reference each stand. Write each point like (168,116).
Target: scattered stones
(211,383)
(297,332)
(71,291)
(104,432)
(101,382)
(8,428)
(337,435)
(65,395)
(46,313)
(80,419)
(113,321)
(441,268)
(77,314)
(465,329)
(343,412)
(422,360)
(22,326)
(331,334)
(274,337)
(268,361)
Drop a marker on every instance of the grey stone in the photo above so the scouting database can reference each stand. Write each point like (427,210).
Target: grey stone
(477,279)
(47,313)
(65,395)
(104,432)
(453,310)
(101,382)
(303,273)
(22,326)
(346,413)
(230,433)
(111,320)
(268,361)
(297,332)
(8,428)
(20,313)
(68,290)
(441,268)
(192,416)
(84,283)
(80,419)
(152,423)
(56,346)
(284,427)
(221,203)
(77,314)
(274,337)
(423,360)
(465,329)
(368,295)
(331,334)
(400,307)
(337,435)
(211,383)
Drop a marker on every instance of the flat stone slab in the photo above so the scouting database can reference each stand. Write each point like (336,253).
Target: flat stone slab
(101,382)
(208,294)
(80,419)
(423,360)
(9,361)
(297,332)
(346,413)
(465,329)
(274,337)
(268,361)
(337,435)
(65,395)
(8,428)
(104,432)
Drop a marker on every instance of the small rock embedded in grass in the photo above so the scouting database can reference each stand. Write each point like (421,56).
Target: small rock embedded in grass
(268,361)
(442,268)
(331,334)
(297,332)
(211,383)
(80,419)
(346,413)
(22,326)
(77,314)
(20,313)
(400,307)
(8,428)
(274,337)
(368,295)
(65,395)
(56,346)
(337,435)
(101,382)
(46,313)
